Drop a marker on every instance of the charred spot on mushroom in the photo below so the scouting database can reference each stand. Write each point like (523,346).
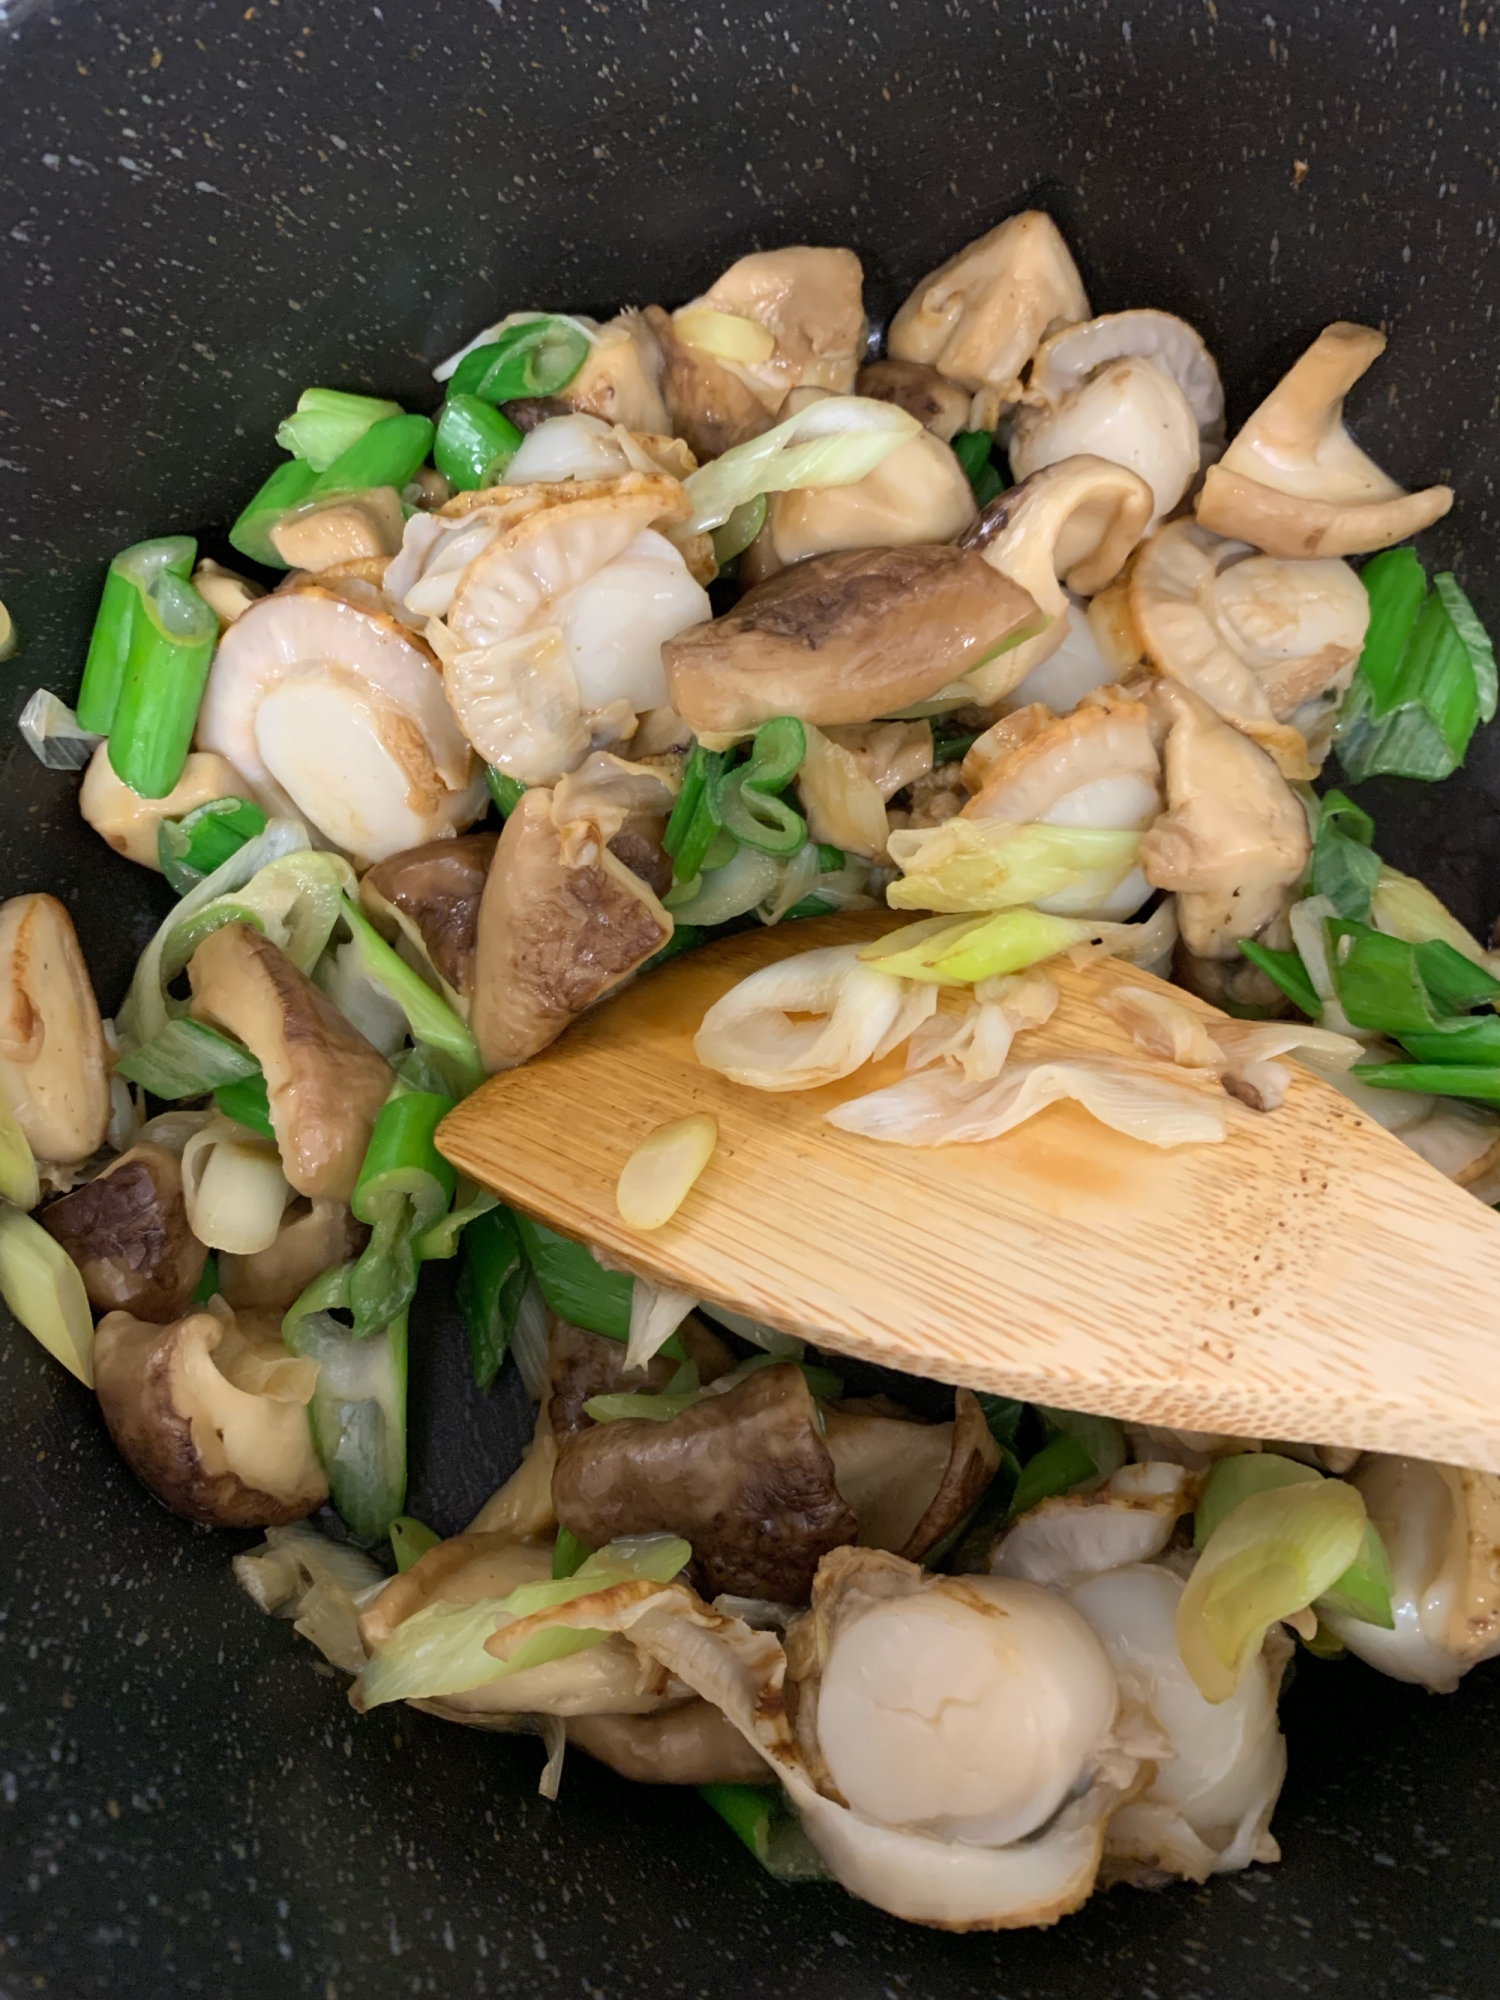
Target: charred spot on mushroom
(553,938)
(215,1423)
(127,1231)
(324,1081)
(436,889)
(744,1476)
(845,638)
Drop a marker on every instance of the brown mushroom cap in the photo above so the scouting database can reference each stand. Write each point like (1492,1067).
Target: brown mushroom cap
(436,889)
(692,1744)
(845,638)
(710,408)
(744,1476)
(325,1082)
(214,1423)
(127,1231)
(552,939)
(939,406)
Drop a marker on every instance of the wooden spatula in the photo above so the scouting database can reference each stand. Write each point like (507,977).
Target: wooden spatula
(1309,1278)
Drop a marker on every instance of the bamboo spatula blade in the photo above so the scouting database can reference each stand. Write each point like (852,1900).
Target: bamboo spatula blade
(1308,1279)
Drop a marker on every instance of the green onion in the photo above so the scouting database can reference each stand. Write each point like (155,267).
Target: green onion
(410,1541)
(959,952)
(695,823)
(749,804)
(491,1281)
(1286,970)
(404,1185)
(441,1239)
(248,1103)
(327,422)
(764,1818)
(536,358)
(167,635)
(685,937)
(568,1553)
(19,1181)
(681,1393)
(1003,1414)
(358,1410)
(1363,1590)
(1474,1042)
(132,574)
(1425,679)
(390,453)
(1455,982)
(474,444)
(1345,867)
(739,531)
(288,486)
(1269,1557)
(1480,1082)
(835,442)
(950,743)
(1377,978)
(431,1020)
(208,1284)
(1057,1468)
(507,792)
(41,1284)
(578,1288)
(203,840)
(187,1059)
(972,449)
(1101,1437)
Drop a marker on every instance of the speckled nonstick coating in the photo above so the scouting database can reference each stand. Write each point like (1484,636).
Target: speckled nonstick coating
(205,207)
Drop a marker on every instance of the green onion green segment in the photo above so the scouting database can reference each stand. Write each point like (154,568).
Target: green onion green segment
(404,1185)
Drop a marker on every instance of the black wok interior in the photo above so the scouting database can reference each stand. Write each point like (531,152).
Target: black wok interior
(205,207)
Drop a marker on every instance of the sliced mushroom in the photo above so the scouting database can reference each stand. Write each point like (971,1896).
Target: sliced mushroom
(1256,636)
(939,406)
(1294,483)
(553,938)
(979,318)
(214,1422)
(337,715)
(709,406)
(430,895)
(1234,838)
(743,1475)
(1072,523)
(130,823)
(1130,1519)
(581,1365)
(350,527)
(620,379)
(691,1744)
(920,493)
(811,301)
(846,637)
(324,1081)
(1139,388)
(127,1231)
(313,1238)
(911,1483)
(53,1062)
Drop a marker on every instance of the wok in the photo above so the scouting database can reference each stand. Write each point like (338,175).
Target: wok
(207,207)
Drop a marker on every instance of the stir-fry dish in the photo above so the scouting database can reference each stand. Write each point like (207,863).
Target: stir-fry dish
(668,627)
